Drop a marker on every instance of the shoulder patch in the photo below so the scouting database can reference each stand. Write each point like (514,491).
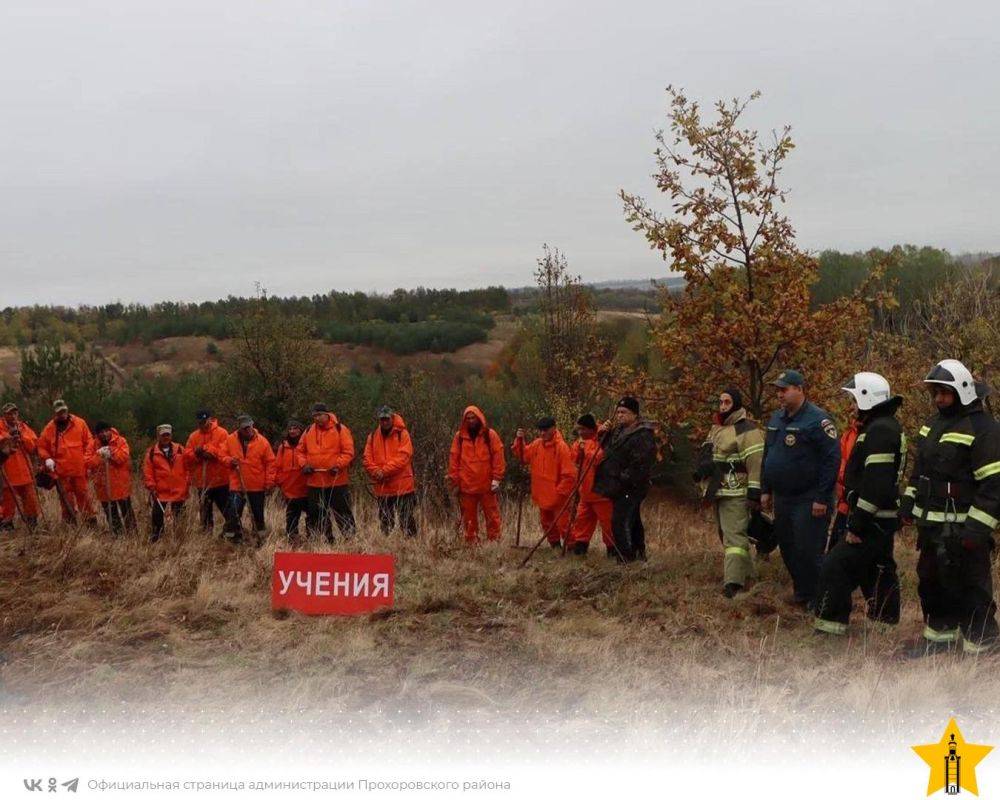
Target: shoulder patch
(829,428)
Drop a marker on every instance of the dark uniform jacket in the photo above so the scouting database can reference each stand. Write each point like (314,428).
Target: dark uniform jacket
(629,454)
(801,454)
(874,471)
(956,474)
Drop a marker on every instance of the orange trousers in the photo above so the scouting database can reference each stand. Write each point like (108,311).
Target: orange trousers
(557,529)
(26,498)
(77,493)
(471,504)
(588,514)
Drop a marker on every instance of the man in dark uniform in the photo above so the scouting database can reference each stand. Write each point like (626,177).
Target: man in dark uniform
(863,557)
(953,495)
(623,476)
(801,459)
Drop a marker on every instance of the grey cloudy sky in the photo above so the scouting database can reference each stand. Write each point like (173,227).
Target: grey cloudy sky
(184,150)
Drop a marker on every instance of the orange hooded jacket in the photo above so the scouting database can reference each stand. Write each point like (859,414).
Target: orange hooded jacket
(287,470)
(119,475)
(214,466)
(256,462)
(474,464)
(847,441)
(393,454)
(17,468)
(327,447)
(553,474)
(68,448)
(583,451)
(166,478)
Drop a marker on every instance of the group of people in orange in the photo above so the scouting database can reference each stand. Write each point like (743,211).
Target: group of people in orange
(232,471)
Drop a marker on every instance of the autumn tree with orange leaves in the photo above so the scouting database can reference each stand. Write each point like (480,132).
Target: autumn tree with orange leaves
(744,313)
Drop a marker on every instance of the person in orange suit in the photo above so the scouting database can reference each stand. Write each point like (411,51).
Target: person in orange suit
(17,444)
(553,477)
(327,449)
(62,447)
(165,475)
(208,466)
(288,477)
(251,475)
(388,461)
(109,464)
(476,465)
(592,508)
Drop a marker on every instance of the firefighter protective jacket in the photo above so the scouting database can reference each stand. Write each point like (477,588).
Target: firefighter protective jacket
(873,472)
(733,454)
(956,474)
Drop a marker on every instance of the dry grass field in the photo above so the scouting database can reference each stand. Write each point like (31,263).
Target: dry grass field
(87,619)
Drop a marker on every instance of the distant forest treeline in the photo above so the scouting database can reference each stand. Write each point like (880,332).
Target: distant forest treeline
(436,320)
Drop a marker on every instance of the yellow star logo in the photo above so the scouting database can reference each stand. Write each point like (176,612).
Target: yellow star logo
(952,761)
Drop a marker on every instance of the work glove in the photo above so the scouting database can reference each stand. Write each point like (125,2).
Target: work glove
(104,452)
(307,470)
(494,486)
(50,465)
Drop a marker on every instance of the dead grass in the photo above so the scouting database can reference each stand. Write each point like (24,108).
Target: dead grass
(87,619)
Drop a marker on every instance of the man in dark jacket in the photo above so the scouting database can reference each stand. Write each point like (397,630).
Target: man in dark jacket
(863,557)
(801,460)
(623,476)
(953,495)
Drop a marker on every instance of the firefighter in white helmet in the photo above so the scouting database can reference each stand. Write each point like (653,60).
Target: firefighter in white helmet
(953,495)
(863,557)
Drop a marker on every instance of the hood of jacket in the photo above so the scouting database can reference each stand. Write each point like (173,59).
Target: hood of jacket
(464,430)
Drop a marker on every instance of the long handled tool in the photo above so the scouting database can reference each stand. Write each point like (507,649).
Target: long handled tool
(63,502)
(520,514)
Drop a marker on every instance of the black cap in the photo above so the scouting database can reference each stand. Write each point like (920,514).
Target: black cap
(545,423)
(202,415)
(789,377)
(587,421)
(320,408)
(631,403)
(100,427)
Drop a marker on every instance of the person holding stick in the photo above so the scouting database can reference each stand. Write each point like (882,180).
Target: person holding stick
(109,463)
(165,476)
(17,443)
(629,445)
(592,509)
(553,477)
(251,464)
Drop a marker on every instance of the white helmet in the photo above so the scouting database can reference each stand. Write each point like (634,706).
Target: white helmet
(869,389)
(955,374)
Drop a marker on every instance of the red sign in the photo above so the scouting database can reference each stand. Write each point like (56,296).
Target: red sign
(332,583)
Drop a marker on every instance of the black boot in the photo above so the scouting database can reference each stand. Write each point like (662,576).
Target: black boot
(612,553)
(580,548)
(730,590)
(555,545)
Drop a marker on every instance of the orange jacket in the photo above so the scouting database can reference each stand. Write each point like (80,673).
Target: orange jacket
(17,469)
(166,478)
(583,451)
(847,441)
(214,466)
(327,447)
(256,462)
(553,474)
(393,454)
(119,474)
(287,472)
(474,464)
(68,448)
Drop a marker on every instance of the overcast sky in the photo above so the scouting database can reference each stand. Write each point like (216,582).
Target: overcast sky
(185,150)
